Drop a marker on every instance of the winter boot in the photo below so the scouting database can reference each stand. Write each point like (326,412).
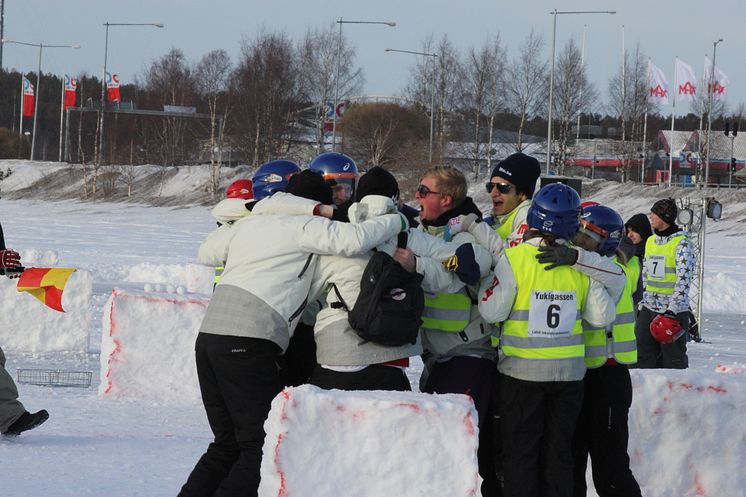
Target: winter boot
(27,421)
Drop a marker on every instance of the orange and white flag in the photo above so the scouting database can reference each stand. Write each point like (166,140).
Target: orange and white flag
(46,284)
(686,82)
(657,85)
(720,82)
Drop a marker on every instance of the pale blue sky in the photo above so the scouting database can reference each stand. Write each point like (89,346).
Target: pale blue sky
(664,29)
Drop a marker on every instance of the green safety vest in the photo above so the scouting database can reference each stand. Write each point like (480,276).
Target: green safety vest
(620,342)
(660,265)
(449,312)
(218,273)
(545,322)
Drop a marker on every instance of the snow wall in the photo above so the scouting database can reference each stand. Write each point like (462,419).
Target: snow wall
(147,346)
(369,444)
(27,325)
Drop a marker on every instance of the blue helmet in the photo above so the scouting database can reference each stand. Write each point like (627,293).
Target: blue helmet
(273,177)
(340,171)
(604,225)
(555,209)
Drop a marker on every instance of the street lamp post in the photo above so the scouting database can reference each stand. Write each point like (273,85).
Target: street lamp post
(432,95)
(709,112)
(41,46)
(555,13)
(336,75)
(100,138)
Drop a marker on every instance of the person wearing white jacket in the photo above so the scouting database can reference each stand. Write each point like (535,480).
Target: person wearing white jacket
(270,260)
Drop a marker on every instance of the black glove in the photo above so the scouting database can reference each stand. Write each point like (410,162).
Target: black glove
(557,255)
(9,259)
(464,264)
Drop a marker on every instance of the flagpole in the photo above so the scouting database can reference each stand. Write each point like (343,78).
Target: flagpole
(673,118)
(62,114)
(645,130)
(20,120)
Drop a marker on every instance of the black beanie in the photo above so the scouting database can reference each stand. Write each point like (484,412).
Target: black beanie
(665,209)
(520,169)
(377,181)
(641,225)
(311,185)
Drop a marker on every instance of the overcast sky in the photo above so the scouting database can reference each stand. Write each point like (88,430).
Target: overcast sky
(663,28)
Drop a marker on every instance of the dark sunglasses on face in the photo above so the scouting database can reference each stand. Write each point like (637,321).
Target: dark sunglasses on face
(424,191)
(501,187)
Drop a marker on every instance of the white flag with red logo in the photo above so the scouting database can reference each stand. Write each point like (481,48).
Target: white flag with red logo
(686,82)
(71,84)
(112,87)
(719,84)
(27,105)
(657,85)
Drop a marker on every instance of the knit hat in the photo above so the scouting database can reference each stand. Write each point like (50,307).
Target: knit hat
(666,210)
(640,223)
(521,170)
(377,181)
(311,185)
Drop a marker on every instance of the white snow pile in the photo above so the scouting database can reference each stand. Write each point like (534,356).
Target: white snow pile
(369,444)
(147,346)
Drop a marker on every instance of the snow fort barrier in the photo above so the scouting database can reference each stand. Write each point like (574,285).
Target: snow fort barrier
(686,430)
(147,346)
(27,325)
(331,443)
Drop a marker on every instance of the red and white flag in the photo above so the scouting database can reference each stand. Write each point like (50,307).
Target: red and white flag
(112,87)
(686,82)
(657,85)
(719,84)
(28,98)
(71,85)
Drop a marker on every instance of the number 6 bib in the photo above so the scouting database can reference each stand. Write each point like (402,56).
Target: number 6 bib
(552,313)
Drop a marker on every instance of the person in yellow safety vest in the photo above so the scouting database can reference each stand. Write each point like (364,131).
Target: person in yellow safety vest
(668,269)
(456,341)
(511,187)
(542,363)
(602,430)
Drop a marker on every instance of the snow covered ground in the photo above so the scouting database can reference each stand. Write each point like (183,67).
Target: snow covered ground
(688,438)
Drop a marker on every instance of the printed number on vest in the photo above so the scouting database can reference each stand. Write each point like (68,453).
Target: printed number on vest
(656,266)
(552,313)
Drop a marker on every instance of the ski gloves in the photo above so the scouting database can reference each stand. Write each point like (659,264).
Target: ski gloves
(557,255)
(9,259)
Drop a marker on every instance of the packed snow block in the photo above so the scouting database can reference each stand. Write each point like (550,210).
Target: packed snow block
(147,346)
(193,278)
(332,443)
(676,424)
(27,325)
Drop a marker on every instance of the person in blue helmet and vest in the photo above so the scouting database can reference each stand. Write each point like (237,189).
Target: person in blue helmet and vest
(542,361)
(272,177)
(668,269)
(341,173)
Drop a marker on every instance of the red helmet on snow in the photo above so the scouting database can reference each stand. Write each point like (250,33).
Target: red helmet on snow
(666,329)
(241,188)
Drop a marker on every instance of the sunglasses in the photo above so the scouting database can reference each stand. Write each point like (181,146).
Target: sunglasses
(424,191)
(501,187)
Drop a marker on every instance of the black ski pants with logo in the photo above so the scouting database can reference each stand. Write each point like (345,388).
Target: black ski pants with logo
(652,354)
(602,432)
(238,378)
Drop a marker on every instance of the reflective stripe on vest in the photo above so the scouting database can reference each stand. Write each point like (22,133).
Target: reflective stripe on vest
(506,228)
(545,323)
(620,343)
(660,265)
(218,272)
(447,312)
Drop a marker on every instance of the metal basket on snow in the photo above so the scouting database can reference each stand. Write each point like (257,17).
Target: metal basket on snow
(54,378)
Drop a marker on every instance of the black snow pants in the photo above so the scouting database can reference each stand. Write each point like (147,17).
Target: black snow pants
(238,378)
(374,377)
(602,432)
(652,354)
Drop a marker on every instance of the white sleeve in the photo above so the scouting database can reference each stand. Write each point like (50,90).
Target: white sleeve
(496,296)
(214,250)
(600,309)
(489,239)
(602,269)
(230,209)
(323,236)
(282,203)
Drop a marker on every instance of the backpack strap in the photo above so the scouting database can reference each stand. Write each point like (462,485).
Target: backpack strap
(341,304)
(401,239)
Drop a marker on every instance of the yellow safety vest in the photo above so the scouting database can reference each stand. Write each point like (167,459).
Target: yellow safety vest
(545,322)
(218,273)
(619,343)
(506,228)
(660,265)
(449,312)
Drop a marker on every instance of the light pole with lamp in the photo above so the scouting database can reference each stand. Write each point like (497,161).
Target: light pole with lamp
(432,94)
(709,112)
(100,138)
(41,46)
(555,13)
(336,76)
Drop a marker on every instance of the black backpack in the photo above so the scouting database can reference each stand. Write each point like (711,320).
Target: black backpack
(389,308)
